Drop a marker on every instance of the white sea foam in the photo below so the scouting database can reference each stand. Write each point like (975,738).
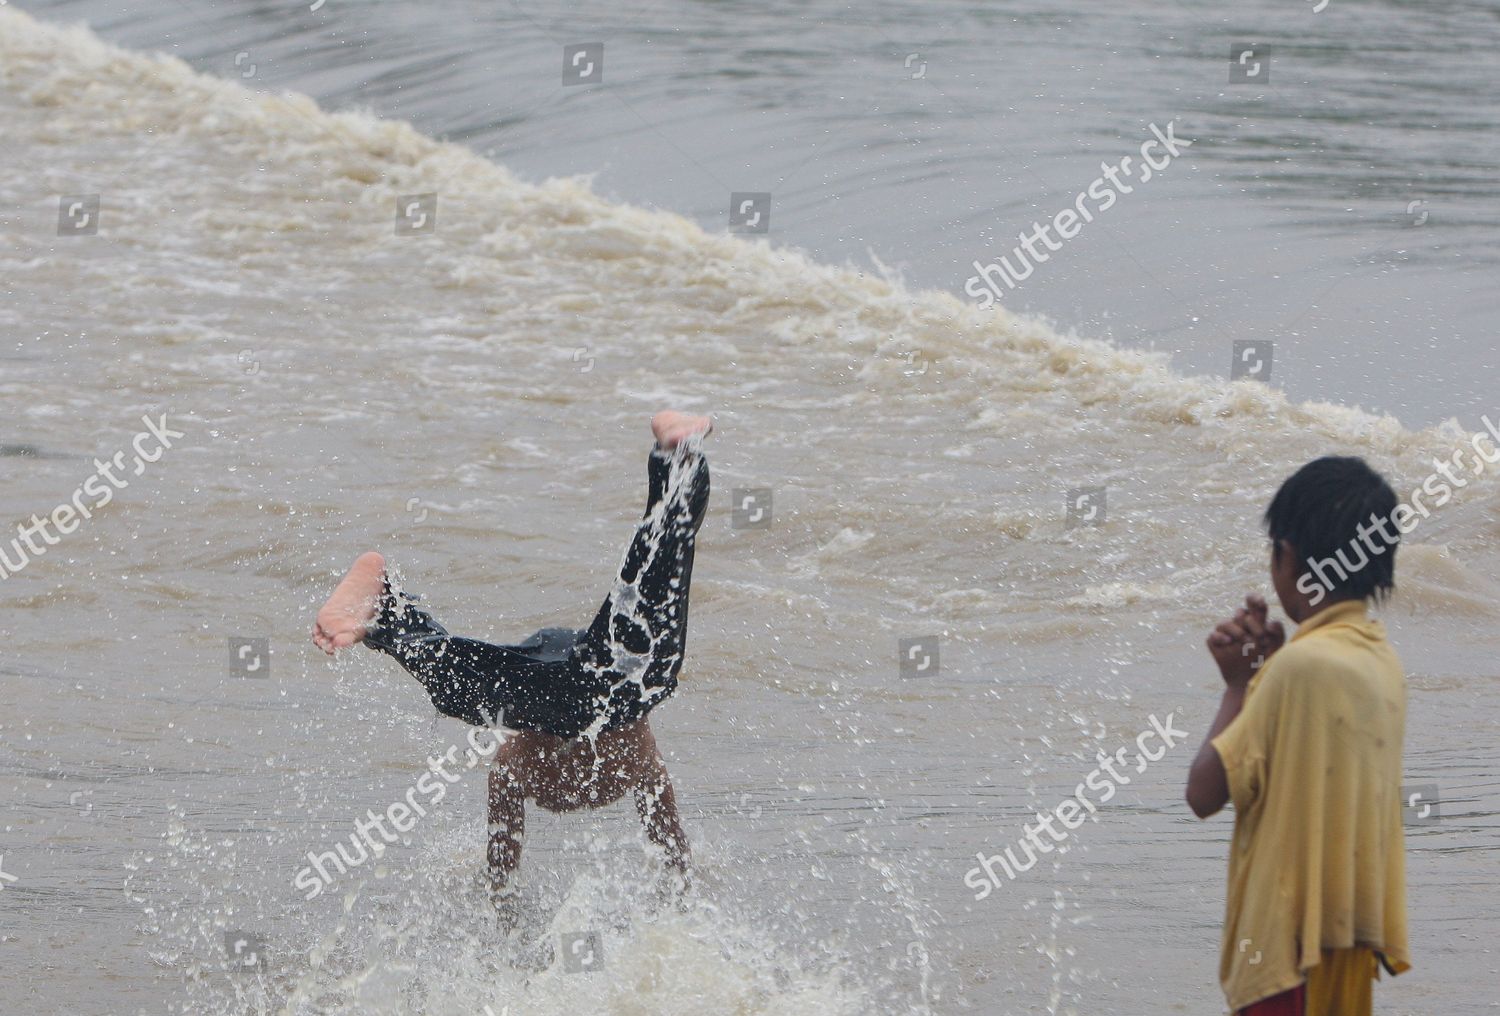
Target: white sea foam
(342,162)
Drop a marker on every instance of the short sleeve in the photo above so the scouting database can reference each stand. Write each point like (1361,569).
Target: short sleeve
(1245,744)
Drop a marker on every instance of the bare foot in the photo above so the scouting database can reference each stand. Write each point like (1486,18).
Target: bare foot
(342,620)
(671,428)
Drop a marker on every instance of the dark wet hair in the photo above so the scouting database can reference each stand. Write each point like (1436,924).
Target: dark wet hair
(1319,511)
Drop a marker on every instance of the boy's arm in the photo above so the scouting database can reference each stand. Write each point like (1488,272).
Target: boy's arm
(1240,647)
(657,806)
(654,800)
(1208,783)
(507,825)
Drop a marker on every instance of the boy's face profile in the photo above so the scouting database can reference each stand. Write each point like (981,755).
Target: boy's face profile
(1285,571)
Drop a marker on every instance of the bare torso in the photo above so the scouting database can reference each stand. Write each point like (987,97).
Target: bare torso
(564,775)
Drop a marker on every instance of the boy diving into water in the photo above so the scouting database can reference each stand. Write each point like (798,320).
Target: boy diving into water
(1307,745)
(577,699)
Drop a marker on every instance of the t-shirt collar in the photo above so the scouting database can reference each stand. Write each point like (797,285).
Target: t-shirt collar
(1346,612)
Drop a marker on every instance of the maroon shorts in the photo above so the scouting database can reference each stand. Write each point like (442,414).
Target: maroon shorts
(1288,1003)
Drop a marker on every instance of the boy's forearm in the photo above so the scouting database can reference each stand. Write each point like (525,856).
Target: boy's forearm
(507,824)
(503,855)
(1208,783)
(658,811)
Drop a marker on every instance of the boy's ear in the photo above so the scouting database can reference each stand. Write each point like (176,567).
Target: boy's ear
(1282,552)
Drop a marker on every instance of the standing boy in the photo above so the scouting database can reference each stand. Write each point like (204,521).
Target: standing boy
(1307,744)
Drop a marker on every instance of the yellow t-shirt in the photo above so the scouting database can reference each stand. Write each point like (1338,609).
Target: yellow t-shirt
(1314,766)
